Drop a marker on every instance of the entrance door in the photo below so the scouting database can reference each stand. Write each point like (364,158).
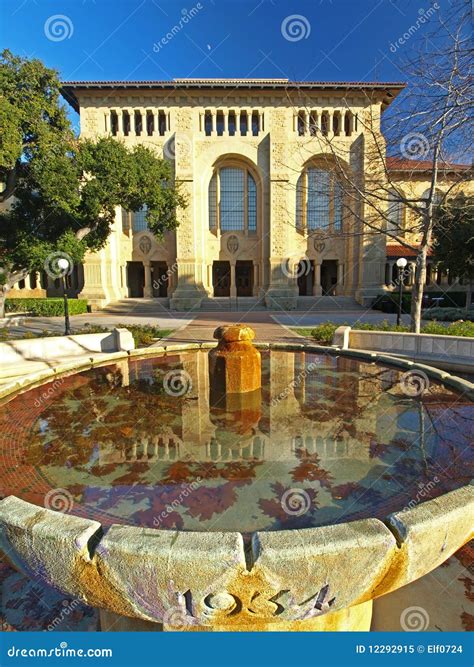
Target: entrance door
(160,279)
(135,279)
(305,273)
(329,276)
(244,277)
(221,278)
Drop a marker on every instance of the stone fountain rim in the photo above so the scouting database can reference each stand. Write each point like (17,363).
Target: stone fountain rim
(18,385)
(403,541)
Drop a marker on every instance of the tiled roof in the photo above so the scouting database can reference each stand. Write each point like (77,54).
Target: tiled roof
(396,250)
(391,88)
(403,164)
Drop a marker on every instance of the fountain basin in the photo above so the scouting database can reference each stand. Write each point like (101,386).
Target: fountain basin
(317,577)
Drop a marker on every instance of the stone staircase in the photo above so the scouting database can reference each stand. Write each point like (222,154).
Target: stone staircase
(224,304)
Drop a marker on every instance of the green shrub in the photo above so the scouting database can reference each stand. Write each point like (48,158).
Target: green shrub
(448,314)
(388,303)
(143,334)
(323,333)
(45,307)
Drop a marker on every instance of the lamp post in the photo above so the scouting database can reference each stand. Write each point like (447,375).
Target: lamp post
(401,264)
(63,264)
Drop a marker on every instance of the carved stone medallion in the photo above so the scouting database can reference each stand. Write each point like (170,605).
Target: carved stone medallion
(145,245)
(232,244)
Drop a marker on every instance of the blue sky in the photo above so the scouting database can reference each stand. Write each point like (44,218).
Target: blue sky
(114,39)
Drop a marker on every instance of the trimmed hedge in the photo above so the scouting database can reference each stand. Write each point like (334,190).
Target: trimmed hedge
(49,307)
(449,314)
(388,303)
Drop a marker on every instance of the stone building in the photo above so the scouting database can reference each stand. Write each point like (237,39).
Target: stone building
(265,224)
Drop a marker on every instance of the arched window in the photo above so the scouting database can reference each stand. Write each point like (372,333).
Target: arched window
(437,197)
(139,223)
(396,210)
(232,200)
(319,200)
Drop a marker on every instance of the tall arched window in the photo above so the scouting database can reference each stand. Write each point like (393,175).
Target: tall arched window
(232,200)
(139,223)
(396,212)
(319,200)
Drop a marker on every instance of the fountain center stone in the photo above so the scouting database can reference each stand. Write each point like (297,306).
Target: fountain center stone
(235,364)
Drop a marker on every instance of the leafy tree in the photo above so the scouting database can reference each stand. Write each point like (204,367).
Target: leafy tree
(454,240)
(60,193)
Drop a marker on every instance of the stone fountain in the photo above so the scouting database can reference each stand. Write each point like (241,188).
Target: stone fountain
(301,579)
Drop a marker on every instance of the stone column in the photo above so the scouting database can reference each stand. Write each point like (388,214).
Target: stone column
(255,279)
(119,123)
(148,288)
(317,290)
(233,286)
(340,278)
(225,129)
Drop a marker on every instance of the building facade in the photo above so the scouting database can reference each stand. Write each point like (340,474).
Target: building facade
(265,218)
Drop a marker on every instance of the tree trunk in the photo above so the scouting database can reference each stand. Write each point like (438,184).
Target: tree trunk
(3,296)
(469,294)
(417,291)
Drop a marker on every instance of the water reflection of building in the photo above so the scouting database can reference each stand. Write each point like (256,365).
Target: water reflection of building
(315,404)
